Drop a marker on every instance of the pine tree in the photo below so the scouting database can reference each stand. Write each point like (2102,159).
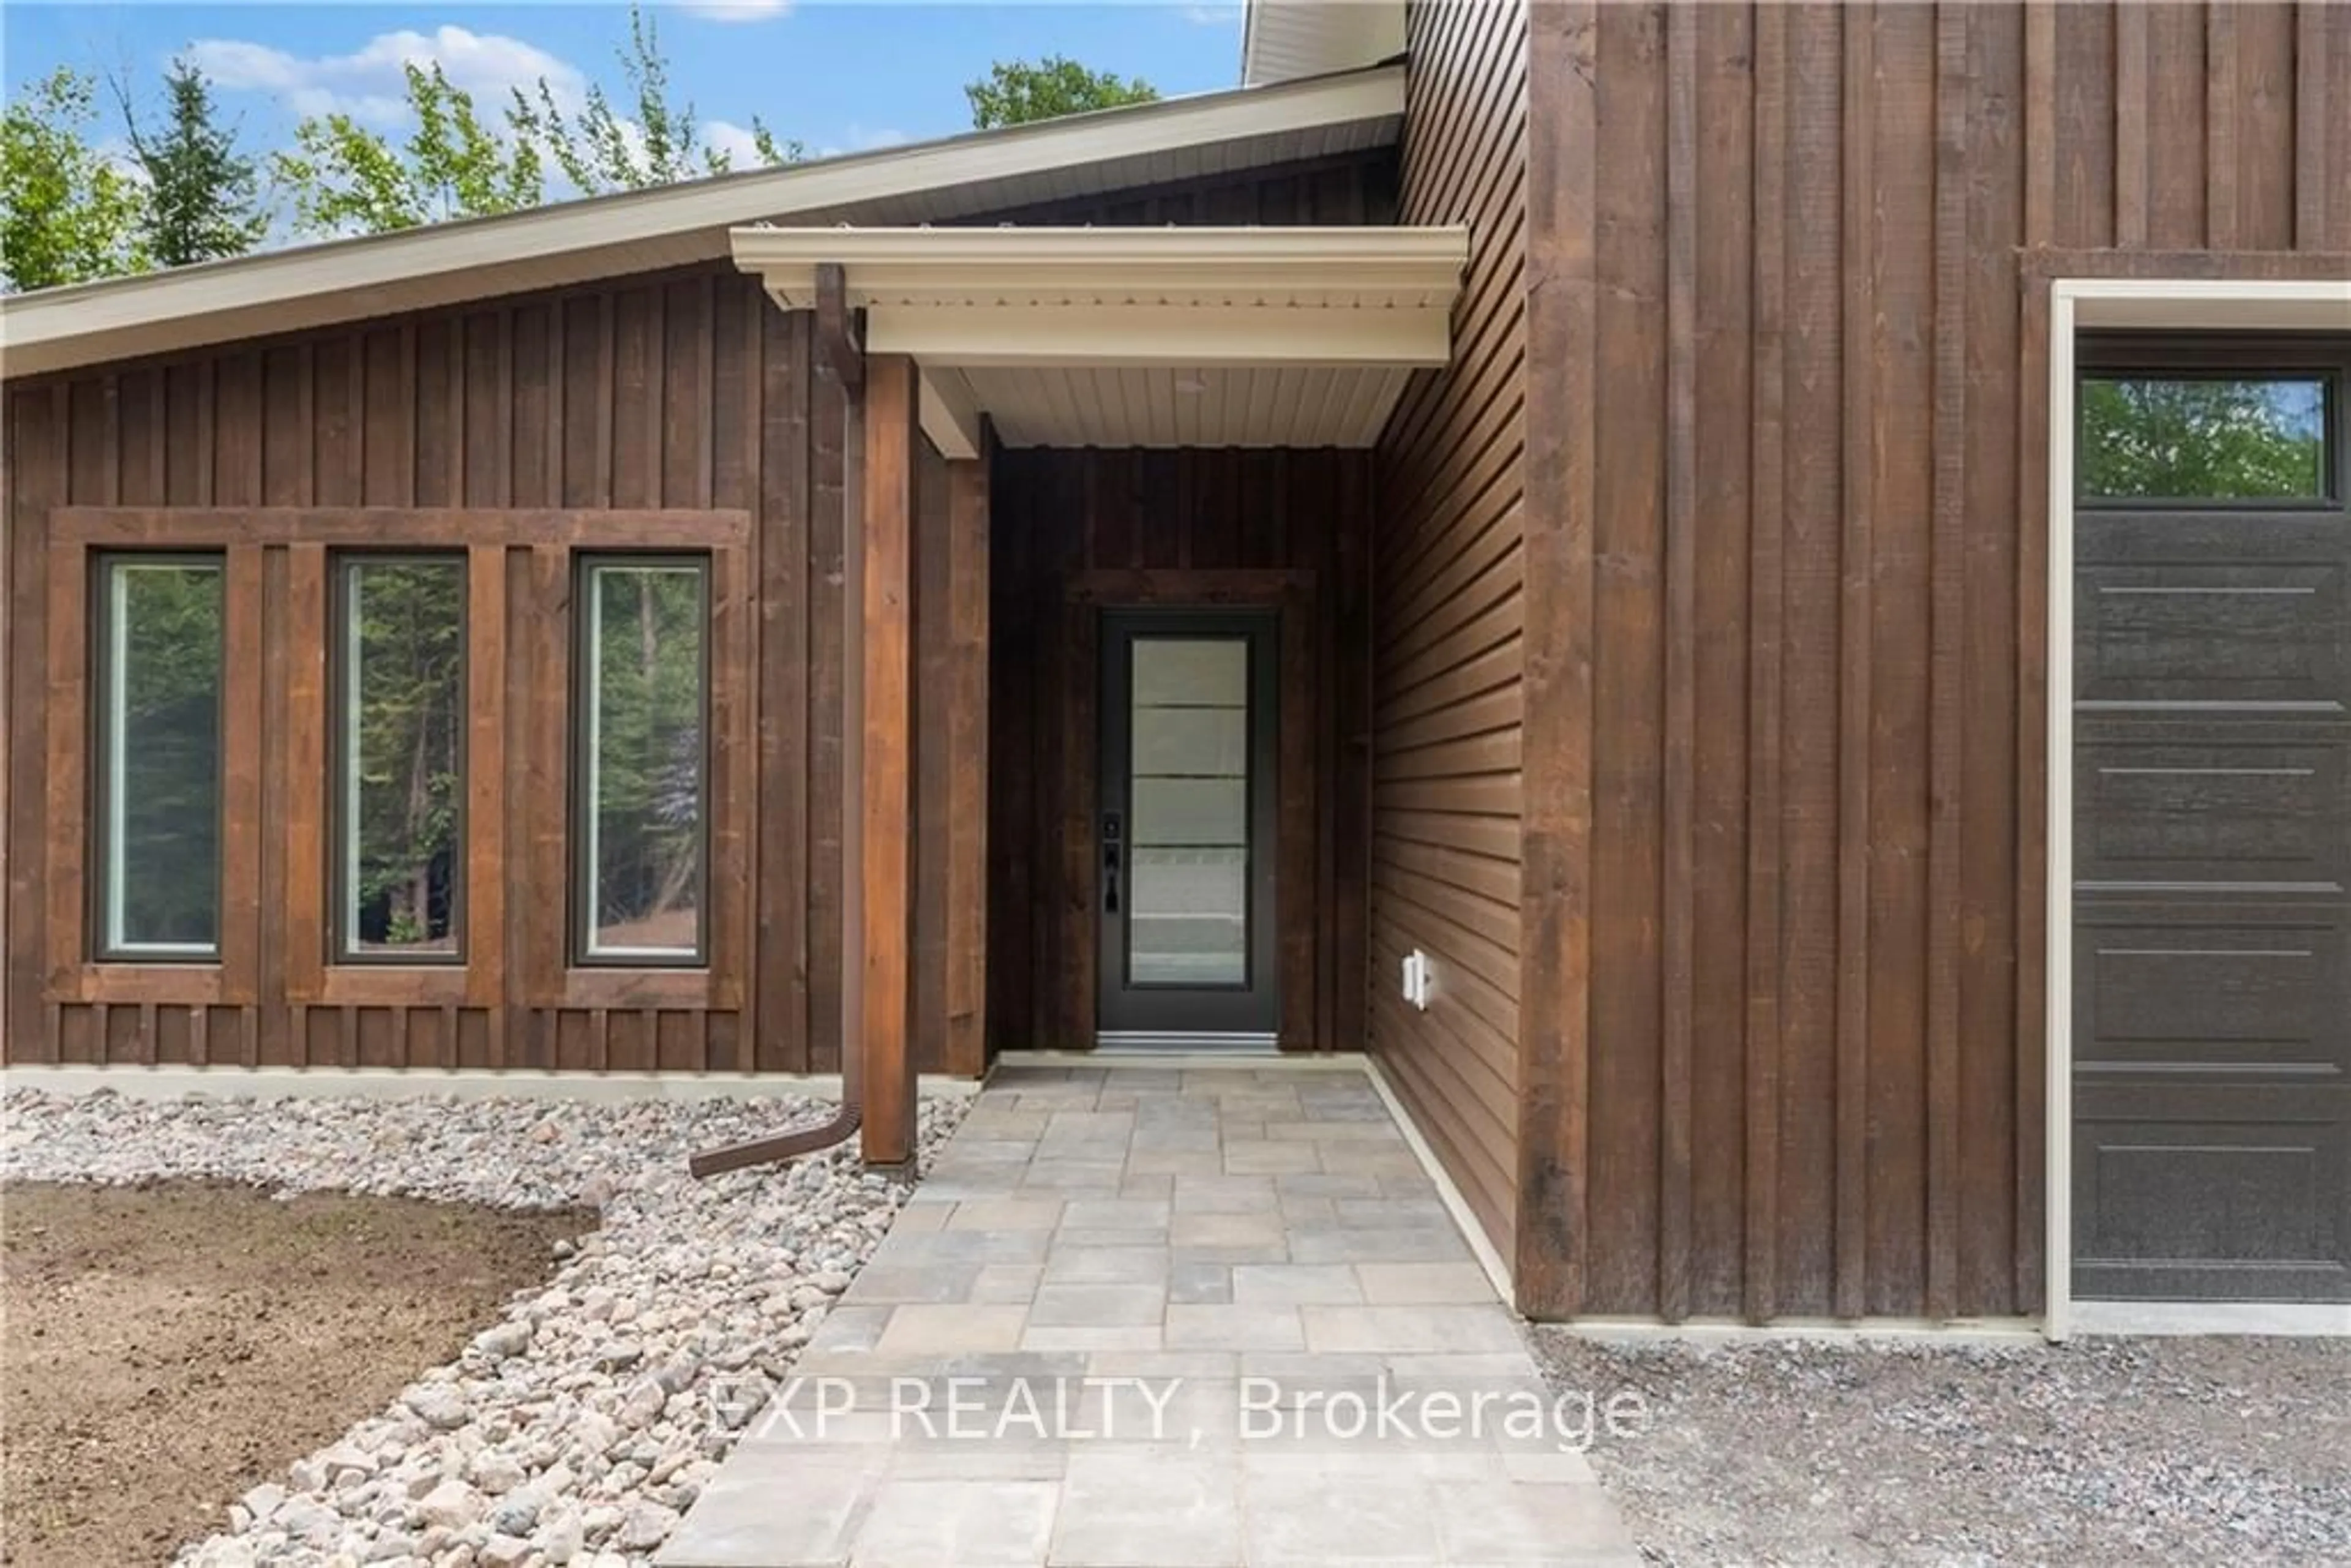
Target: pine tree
(201,193)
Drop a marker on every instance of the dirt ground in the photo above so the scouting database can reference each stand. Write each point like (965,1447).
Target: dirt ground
(165,1348)
(2176,1451)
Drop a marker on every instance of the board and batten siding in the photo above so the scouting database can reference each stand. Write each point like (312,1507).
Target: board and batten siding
(1449,571)
(674,411)
(1076,532)
(1787,606)
(634,412)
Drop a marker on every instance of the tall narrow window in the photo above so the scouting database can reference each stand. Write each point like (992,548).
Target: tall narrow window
(159,757)
(643,734)
(400,811)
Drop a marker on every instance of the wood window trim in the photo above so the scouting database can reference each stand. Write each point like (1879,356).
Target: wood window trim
(552,979)
(75,972)
(518,608)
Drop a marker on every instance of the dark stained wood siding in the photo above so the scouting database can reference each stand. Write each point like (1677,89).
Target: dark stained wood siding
(520,431)
(687,391)
(1073,531)
(1448,595)
(1786,604)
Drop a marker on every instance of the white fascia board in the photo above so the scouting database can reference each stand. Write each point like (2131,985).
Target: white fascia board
(1204,266)
(59,328)
(950,414)
(1042,336)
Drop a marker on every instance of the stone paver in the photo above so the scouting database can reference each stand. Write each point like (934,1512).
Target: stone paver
(1144,1318)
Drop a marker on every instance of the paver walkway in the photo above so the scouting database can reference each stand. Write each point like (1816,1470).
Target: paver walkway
(1143,1318)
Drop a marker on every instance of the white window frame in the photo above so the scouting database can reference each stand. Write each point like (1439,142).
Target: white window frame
(591,756)
(2092,304)
(114,945)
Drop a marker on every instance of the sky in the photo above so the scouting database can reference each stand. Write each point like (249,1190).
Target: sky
(841,77)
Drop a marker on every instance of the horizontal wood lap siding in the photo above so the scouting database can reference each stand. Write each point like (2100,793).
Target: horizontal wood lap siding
(1812,387)
(515,433)
(1074,531)
(1448,609)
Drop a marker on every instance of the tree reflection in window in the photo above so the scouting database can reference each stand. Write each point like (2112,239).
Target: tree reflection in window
(645,692)
(403,687)
(2189,438)
(160,758)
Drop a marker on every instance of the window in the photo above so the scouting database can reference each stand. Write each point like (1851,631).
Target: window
(642,730)
(400,809)
(2175,437)
(158,714)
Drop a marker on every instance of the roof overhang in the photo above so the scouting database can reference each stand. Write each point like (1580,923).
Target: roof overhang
(1213,337)
(567,242)
(1282,41)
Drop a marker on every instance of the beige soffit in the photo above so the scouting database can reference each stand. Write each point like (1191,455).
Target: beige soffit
(1180,337)
(1282,41)
(573,242)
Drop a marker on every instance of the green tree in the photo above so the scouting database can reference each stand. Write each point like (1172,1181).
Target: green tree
(202,201)
(344,178)
(1017,92)
(660,142)
(67,213)
(2186,439)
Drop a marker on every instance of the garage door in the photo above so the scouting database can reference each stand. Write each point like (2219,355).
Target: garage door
(2212,822)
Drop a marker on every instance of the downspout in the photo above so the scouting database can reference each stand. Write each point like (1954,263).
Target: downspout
(808,1140)
(836,343)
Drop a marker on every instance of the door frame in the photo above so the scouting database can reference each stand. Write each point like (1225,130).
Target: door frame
(1302,947)
(2076,305)
(1259,629)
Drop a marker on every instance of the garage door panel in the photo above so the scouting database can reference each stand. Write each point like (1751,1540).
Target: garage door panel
(2245,991)
(2215,632)
(2209,861)
(2238,1193)
(2223,811)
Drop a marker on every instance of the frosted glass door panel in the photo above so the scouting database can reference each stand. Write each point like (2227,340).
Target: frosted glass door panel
(1188,830)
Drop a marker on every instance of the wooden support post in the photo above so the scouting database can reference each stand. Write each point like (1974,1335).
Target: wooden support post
(881,735)
(966,1050)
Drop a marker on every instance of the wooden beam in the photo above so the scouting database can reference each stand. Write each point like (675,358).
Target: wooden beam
(952,418)
(967,870)
(836,328)
(881,727)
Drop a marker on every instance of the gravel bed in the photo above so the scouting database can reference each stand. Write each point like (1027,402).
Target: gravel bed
(2100,1451)
(581,1427)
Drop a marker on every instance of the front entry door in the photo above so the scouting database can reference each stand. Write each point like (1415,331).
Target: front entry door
(1187,830)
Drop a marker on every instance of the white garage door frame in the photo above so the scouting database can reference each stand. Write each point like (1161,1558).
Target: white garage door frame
(2090,304)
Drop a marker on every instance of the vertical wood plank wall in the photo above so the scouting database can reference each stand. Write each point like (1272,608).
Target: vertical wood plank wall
(1449,604)
(1787,364)
(1073,530)
(685,391)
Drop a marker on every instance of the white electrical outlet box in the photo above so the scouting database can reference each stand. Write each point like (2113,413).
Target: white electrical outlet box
(1417,979)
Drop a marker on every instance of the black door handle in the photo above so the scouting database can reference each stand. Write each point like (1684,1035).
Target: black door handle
(1111,839)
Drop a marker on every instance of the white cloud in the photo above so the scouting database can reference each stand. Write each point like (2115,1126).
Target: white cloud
(1213,16)
(858,139)
(724,136)
(735,10)
(368,84)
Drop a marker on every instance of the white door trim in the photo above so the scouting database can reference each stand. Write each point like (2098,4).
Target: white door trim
(2076,304)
